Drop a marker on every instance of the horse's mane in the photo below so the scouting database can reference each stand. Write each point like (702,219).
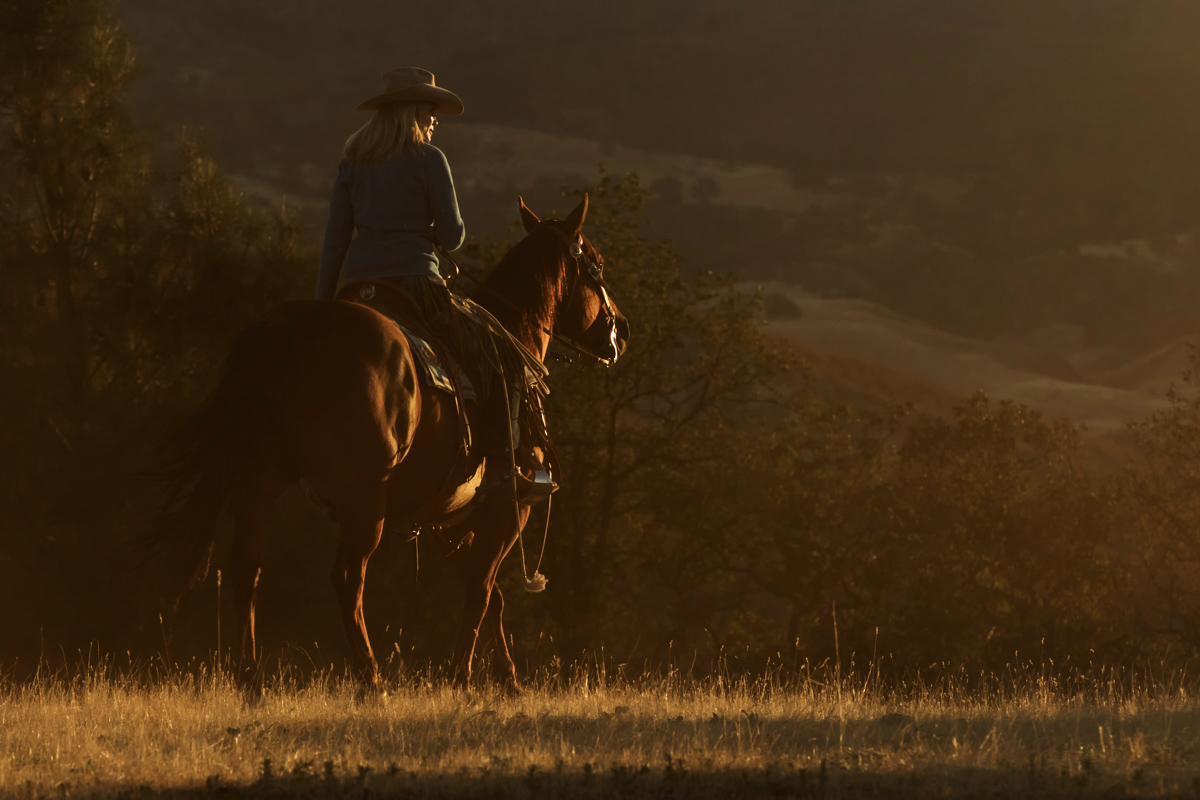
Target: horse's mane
(532,277)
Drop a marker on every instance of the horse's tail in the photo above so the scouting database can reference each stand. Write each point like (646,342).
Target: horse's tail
(212,453)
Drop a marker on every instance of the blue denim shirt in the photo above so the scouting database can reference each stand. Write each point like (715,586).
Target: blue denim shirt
(400,209)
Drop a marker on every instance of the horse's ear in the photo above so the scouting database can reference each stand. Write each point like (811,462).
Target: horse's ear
(528,218)
(576,217)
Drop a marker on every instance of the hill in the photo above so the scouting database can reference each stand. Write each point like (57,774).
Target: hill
(1018,176)
(867,354)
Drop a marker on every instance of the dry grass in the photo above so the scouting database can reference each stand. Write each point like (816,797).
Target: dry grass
(105,734)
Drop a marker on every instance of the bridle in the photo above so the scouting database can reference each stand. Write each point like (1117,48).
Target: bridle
(595,269)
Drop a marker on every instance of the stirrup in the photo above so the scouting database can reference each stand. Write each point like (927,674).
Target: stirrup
(534,490)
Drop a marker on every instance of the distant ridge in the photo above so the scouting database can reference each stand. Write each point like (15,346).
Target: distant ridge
(930,367)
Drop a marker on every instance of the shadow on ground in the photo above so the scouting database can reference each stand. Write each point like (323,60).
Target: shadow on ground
(676,781)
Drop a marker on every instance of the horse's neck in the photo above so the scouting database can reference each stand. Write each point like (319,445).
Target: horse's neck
(526,325)
(534,335)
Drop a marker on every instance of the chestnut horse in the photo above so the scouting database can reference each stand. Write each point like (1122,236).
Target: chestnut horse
(328,392)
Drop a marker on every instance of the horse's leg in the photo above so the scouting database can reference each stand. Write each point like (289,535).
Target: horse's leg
(251,525)
(477,565)
(359,538)
(475,604)
(503,668)
(504,671)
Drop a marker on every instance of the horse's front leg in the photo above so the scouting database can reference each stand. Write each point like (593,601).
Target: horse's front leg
(359,538)
(478,586)
(477,563)
(504,671)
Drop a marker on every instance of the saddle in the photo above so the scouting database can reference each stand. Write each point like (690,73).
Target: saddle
(441,371)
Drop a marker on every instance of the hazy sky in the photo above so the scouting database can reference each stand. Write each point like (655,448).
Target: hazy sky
(833,84)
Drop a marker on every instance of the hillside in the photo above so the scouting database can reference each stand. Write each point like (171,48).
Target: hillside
(1013,179)
(1053,379)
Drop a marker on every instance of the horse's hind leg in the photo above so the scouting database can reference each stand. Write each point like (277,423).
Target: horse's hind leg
(251,522)
(360,536)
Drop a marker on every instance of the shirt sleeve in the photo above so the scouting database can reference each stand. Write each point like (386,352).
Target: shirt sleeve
(338,232)
(448,227)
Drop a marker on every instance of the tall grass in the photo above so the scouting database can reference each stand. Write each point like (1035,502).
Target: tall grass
(103,730)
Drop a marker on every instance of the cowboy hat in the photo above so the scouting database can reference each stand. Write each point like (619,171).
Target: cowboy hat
(416,85)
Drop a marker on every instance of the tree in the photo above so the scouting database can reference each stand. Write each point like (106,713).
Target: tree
(1001,543)
(714,502)
(69,150)
(121,279)
(1161,493)
(664,412)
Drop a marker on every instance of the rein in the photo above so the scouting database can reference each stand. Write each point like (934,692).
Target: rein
(594,269)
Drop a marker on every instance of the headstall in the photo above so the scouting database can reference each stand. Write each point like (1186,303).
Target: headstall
(595,269)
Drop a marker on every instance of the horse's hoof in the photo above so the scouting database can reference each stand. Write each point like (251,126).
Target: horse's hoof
(252,695)
(508,686)
(370,692)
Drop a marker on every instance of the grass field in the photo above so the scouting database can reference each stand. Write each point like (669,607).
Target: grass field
(103,733)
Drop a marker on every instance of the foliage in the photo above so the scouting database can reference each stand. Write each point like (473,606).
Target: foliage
(716,506)
(1162,498)
(996,543)
(713,502)
(696,347)
(121,279)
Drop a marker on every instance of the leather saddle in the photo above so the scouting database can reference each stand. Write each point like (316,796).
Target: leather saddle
(441,371)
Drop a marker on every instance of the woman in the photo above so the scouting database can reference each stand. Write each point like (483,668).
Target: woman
(395,188)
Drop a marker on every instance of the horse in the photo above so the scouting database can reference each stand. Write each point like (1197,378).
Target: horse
(328,392)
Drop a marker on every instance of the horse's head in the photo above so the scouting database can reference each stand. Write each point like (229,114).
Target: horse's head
(586,317)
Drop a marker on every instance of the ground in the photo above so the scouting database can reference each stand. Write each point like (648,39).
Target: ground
(104,733)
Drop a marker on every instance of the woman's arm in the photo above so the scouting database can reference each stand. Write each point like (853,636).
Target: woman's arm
(448,227)
(338,232)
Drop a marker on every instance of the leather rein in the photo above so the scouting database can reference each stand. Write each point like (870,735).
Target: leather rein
(595,269)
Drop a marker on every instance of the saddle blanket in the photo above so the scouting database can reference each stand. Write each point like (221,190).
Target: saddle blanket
(436,374)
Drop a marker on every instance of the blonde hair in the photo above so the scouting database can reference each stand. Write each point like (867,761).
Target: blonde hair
(392,130)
